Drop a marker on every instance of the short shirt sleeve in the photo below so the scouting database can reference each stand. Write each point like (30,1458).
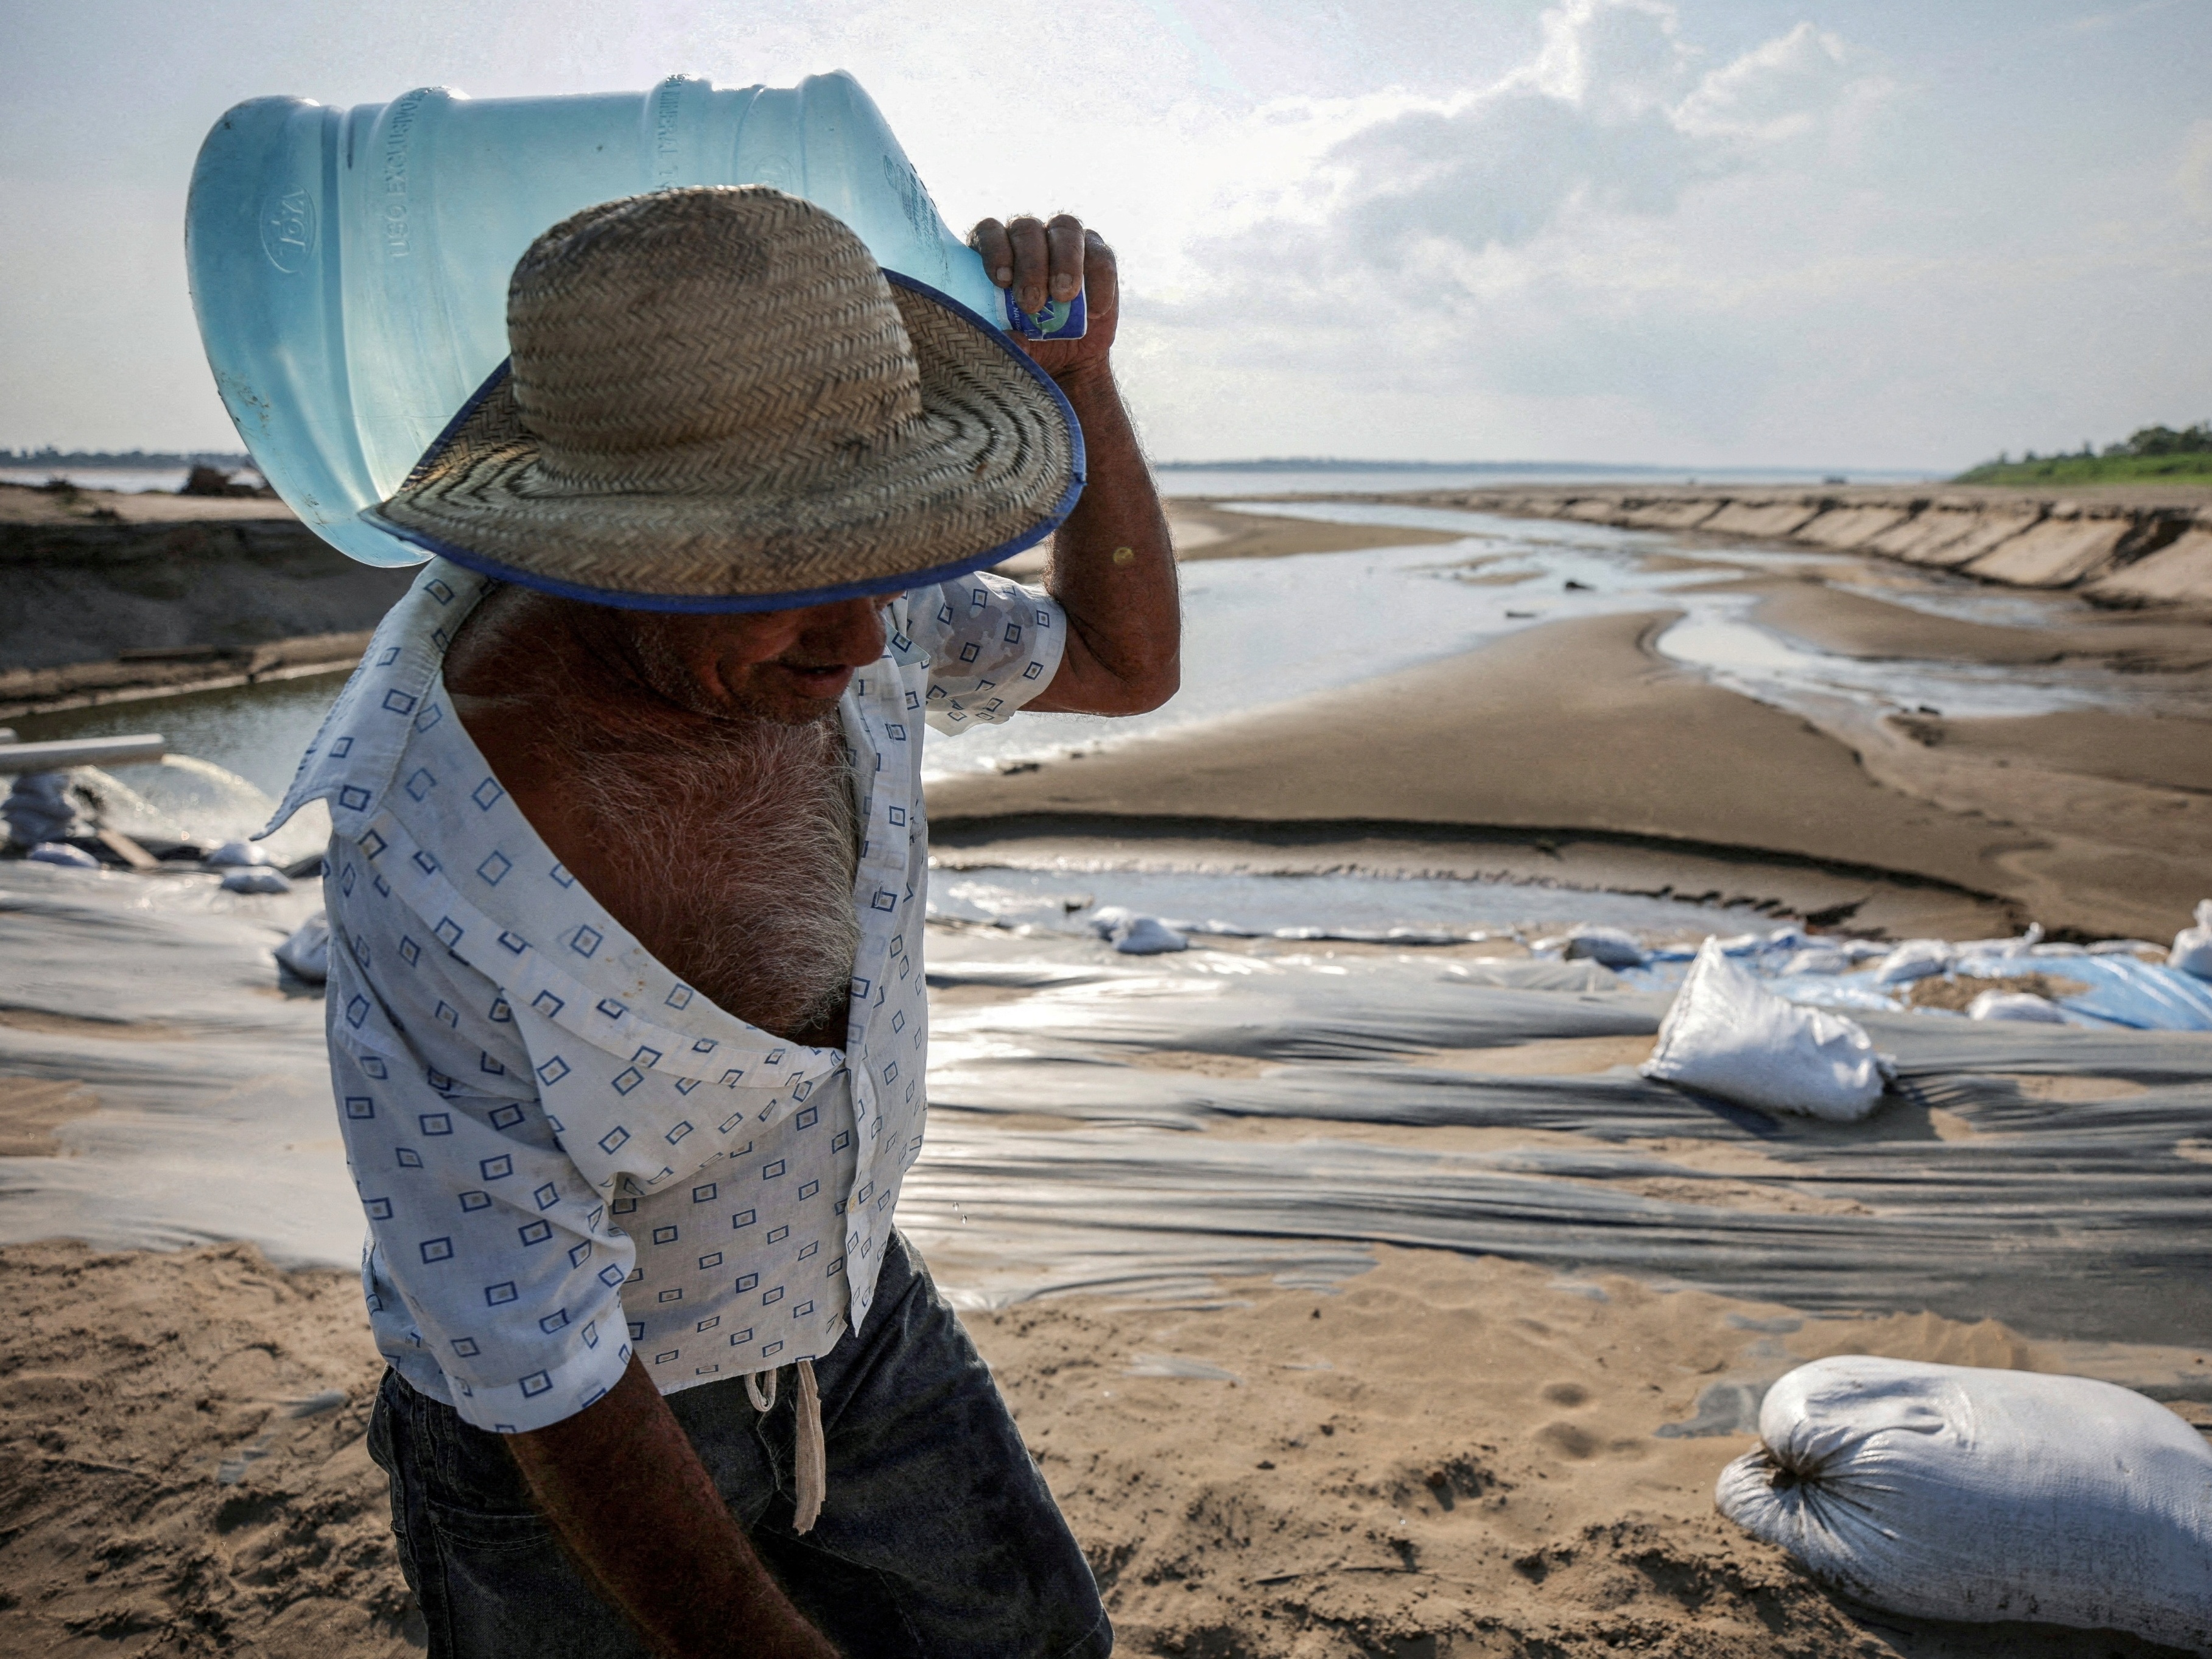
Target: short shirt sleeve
(992,644)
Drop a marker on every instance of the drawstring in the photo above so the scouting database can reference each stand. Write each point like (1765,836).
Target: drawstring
(808,1459)
(809,1462)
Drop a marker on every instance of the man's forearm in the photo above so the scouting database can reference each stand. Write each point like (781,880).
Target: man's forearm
(1112,567)
(622,1485)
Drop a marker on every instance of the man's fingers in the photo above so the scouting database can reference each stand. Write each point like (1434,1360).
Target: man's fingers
(990,240)
(1064,249)
(1040,261)
(1102,277)
(1032,262)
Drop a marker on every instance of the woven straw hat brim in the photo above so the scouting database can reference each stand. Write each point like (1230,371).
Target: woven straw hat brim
(994,465)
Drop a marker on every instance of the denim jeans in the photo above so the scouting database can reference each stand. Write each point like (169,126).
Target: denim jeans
(938,1536)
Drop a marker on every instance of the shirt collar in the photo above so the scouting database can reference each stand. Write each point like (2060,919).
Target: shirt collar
(350,764)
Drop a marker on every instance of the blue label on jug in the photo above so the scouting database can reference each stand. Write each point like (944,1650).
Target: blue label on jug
(1060,319)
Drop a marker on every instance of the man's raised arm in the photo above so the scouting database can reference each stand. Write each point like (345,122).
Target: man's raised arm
(1112,570)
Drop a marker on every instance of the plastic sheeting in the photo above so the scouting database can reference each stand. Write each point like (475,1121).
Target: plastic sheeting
(2099,985)
(1082,1080)
(1978,1191)
(160,996)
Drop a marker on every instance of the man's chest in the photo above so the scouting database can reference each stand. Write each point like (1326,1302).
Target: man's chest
(732,864)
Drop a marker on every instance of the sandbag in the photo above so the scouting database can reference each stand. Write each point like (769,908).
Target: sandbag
(1148,936)
(1609,947)
(306,954)
(61,853)
(1916,958)
(1949,1492)
(1133,934)
(255,879)
(1817,959)
(2023,1006)
(39,808)
(1727,1035)
(2192,946)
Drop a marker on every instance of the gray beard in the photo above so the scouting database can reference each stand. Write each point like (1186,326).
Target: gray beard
(737,851)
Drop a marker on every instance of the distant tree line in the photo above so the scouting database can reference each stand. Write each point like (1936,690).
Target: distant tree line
(2146,441)
(147,460)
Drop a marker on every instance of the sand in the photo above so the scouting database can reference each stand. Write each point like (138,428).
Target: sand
(1581,726)
(1443,1456)
(129,1382)
(1202,532)
(1864,625)
(1571,725)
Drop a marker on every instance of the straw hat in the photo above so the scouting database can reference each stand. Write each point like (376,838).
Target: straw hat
(717,401)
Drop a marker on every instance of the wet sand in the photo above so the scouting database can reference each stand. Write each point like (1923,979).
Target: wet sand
(2095,823)
(1202,532)
(1862,625)
(1441,1456)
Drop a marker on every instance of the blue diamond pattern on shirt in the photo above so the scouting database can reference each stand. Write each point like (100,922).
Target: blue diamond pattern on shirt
(489,1008)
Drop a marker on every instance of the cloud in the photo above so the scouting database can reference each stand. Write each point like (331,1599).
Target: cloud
(1617,224)
(2194,176)
(1610,118)
(1615,59)
(2103,23)
(1780,90)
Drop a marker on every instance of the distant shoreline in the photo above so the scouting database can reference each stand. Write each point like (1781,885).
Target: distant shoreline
(1594,471)
(134,460)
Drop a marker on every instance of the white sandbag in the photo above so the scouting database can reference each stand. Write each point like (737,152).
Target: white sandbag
(1818,959)
(2023,1006)
(1915,958)
(236,854)
(1727,1035)
(1147,936)
(61,853)
(1107,919)
(307,953)
(39,808)
(1609,947)
(1133,934)
(1948,1492)
(2192,946)
(250,879)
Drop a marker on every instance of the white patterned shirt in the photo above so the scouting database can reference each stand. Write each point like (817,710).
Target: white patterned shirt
(565,1153)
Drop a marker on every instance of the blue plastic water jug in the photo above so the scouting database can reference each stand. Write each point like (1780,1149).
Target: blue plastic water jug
(350,267)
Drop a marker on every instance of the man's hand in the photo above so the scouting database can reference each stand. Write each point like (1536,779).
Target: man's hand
(621,1484)
(1056,260)
(1113,569)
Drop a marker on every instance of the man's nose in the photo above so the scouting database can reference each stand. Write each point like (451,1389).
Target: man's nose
(849,632)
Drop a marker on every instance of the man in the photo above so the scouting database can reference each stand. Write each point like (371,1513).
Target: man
(627,888)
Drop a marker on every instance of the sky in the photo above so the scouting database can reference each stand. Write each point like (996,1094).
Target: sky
(1871,233)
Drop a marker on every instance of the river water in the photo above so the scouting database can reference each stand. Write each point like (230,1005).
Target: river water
(2059,1178)
(1264,631)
